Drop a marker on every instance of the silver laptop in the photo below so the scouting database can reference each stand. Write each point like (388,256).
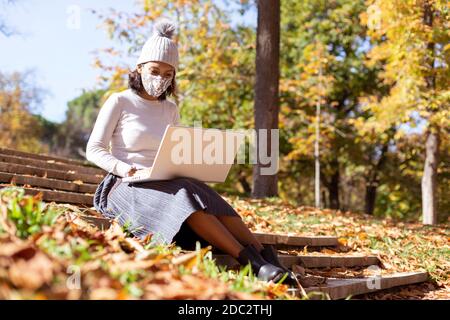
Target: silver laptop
(194,152)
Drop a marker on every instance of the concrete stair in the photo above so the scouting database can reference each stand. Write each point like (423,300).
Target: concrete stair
(310,261)
(346,288)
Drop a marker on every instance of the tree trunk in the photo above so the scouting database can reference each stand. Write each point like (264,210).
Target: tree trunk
(266,107)
(333,190)
(371,197)
(429,179)
(243,181)
(324,197)
(332,186)
(373,180)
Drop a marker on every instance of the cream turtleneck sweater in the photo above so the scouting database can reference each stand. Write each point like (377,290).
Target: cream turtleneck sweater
(133,127)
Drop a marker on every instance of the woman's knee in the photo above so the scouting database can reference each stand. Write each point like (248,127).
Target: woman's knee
(194,215)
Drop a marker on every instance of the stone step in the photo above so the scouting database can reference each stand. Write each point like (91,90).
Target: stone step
(13,152)
(309,261)
(25,169)
(50,164)
(59,196)
(281,240)
(47,183)
(344,288)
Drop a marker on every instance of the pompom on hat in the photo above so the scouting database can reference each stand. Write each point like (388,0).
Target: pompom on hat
(160,46)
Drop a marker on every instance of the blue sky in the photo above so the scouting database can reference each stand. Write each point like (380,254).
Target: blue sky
(50,43)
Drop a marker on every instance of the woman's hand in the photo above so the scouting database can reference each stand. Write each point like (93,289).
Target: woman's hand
(131,172)
(134,169)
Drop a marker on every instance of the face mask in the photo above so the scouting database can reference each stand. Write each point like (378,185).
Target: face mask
(154,85)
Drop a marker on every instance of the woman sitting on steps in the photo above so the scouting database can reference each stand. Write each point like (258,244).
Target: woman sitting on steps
(133,121)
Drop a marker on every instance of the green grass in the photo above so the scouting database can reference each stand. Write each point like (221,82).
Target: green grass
(26,212)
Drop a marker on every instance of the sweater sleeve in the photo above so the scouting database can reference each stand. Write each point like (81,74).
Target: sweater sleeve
(97,147)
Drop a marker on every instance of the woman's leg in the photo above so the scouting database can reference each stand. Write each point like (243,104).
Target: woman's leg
(212,230)
(234,224)
(240,231)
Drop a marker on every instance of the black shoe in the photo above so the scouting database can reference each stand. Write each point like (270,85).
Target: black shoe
(263,269)
(270,254)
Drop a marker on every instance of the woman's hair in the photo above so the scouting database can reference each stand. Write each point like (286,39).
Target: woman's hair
(135,84)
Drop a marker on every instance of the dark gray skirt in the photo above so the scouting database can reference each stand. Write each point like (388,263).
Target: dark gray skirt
(159,207)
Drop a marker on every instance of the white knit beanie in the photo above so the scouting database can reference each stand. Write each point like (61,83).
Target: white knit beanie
(160,46)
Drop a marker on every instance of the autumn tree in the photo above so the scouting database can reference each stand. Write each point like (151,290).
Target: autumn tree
(369,162)
(73,133)
(19,102)
(327,35)
(414,48)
